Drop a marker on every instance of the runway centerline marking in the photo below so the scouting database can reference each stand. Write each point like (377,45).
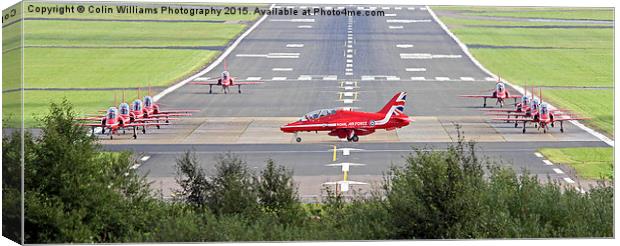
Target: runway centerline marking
(253,78)
(418,78)
(415,69)
(467,78)
(404,46)
(395,27)
(278,78)
(442,78)
(304,26)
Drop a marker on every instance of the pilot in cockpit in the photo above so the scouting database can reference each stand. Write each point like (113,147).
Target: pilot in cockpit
(148,101)
(124,108)
(112,112)
(136,105)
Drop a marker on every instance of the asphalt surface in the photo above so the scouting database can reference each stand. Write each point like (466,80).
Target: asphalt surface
(304,62)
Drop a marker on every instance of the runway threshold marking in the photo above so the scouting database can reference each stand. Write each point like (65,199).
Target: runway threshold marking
(548,163)
(558,171)
(537,154)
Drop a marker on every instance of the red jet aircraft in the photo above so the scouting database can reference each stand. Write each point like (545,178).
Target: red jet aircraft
(500,93)
(225,81)
(114,122)
(543,118)
(350,124)
(152,109)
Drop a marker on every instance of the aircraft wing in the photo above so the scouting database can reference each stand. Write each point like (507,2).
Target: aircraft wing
(247,82)
(513,119)
(204,82)
(477,96)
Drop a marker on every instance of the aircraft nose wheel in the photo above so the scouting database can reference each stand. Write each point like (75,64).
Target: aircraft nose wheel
(298,139)
(355,138)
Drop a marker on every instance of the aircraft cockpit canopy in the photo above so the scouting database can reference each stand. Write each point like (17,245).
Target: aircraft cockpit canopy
(500,86)
(318,114)
(525,99)
(148,101)
(544,109)
(124,108)
(112,112)
(136,105)
(225,74)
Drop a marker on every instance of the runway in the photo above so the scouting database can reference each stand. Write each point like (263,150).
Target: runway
(314,62)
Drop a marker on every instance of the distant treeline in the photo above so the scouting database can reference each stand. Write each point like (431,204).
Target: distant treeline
(77,193)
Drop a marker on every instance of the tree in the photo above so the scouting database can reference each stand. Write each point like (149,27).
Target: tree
(231,189)
(192,179)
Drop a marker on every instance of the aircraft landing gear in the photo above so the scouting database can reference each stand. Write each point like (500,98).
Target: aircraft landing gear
(484,105)
(561,127)
(143,129)
(516,124)
(298,139)
(239,86)
(354,138)
(524,127)
(210,89)
(134,133)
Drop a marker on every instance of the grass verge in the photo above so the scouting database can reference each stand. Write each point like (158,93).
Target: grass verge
(589,163)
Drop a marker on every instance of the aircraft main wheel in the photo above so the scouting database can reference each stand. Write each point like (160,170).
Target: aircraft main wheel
(143,130)
(158,127)
(562,130)
(544,130)
(298,139)
(516,124)
(523,130)
(355,138)
(111,137)
(124,132)
(135,136)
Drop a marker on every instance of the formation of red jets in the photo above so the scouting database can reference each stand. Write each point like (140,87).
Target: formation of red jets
(339,122)
(531,110)
(137,116)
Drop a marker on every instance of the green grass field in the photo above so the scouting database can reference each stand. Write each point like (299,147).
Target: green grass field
(589,163)
(545,56)
(109,59)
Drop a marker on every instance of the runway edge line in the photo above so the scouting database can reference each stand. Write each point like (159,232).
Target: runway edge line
(214,63)
(464,48)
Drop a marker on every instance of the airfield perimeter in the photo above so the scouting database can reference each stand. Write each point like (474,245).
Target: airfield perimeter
(315,62)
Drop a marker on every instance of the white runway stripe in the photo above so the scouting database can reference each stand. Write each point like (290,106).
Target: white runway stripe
(395,27)
(282,69)
(467,78)
(418,78)
(558,171)
(411,8)
(490,79)
(294,45)
(537,154)
(278,78)
(202,79)
(398,8)
(390,15)
(347,101)
(442,78)
(348,73)
(292,20)
(368,77)
(568,180)
(404,46)
(253,78)
(145,158)
(425,56)
(392,78)
(304,27)
(330,77)
(548,163)
(407,21)
(415,69)
(304,77)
